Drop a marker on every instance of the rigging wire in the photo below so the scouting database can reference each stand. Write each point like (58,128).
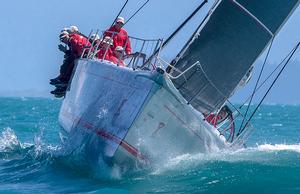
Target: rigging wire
(271,86)
(119,13)
(267,78)
(179,28)
(136,12)
(113,22)
(184,23)
(178,56)
(243,138)
(256,84)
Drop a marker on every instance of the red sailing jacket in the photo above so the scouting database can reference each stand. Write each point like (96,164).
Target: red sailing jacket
(117,61)
(120,38)
(212,119)
(107,56)
(77,43)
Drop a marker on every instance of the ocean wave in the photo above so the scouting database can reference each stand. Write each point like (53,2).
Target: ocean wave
(9,141)
(11,146)
(71,160)
(63,155)
(265,154)
(279,147)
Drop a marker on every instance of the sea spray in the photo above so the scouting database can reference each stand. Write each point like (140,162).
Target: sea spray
(270,164)
(9,141)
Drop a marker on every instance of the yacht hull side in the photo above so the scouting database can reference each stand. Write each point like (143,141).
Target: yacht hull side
(120,114)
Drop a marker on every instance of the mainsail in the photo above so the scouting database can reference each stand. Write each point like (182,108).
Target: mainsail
(223,50)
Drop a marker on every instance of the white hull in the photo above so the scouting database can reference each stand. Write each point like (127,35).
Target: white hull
(123,115)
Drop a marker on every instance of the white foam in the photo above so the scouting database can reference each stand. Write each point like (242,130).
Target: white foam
(9,140)
(9,143)
(277,125)
(213,182)
(253,154)
(279,147)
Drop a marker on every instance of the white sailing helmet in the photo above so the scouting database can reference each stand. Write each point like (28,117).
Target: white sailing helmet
(94,37)
(108,40)
(121,20)
(73,29)
(63,34)
(65,29)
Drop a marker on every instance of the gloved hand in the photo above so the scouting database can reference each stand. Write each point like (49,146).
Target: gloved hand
(62,48)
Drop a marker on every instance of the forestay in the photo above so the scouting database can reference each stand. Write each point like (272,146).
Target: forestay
(226,46)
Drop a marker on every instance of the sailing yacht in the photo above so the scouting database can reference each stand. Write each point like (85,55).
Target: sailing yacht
(153,110)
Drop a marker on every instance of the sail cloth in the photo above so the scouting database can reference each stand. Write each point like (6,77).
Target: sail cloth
(233,37)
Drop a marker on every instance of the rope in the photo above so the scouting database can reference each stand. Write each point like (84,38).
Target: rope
(256,84)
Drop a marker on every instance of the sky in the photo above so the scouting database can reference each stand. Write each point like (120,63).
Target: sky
(29,38)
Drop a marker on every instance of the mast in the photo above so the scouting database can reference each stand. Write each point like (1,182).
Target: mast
(178,29)
(174,61)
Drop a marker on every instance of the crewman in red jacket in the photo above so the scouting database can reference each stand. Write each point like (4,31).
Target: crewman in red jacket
(95,39)
(76,44)
(215,119)
(105,52)
(119,35)
(117,57)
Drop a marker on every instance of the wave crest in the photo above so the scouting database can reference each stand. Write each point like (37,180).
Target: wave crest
(279,147)
(9,141)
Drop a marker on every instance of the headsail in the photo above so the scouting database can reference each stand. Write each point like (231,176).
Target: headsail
(233,37)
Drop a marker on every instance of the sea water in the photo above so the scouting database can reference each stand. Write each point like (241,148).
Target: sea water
(33,158)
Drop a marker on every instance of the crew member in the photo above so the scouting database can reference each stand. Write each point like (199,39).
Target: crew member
(75,30)
(94,39)
(76,44)
(68,56)
(117,56)
(105,52)
(119,35)
(215,119)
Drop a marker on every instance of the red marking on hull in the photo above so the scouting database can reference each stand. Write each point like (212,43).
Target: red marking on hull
(183,123)
(104,134)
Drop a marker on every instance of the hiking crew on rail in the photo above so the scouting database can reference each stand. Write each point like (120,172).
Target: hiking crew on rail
(112,47)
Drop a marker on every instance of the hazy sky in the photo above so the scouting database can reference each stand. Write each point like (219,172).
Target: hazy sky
(29,38)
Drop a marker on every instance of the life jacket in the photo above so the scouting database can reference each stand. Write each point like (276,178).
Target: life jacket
(120,38)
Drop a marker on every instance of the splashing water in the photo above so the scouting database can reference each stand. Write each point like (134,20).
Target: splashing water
(34,159)
(9,141)
(279,147)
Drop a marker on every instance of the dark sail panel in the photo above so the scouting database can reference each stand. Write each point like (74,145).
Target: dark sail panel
(226,47)
(272,13)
